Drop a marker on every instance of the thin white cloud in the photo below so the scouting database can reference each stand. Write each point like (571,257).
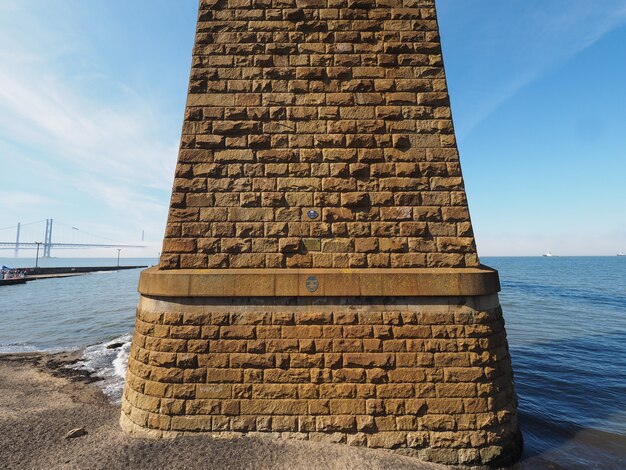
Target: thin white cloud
(139,207)
(62,110)
(21,199)
(103,140)
(47,108)
(505,46)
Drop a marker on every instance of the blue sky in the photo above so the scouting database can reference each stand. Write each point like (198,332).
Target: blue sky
(92,97)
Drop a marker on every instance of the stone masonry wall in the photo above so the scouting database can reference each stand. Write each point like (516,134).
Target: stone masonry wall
(318,134)
(340,106)
(429,377)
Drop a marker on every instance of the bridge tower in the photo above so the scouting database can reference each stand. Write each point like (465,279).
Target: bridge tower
(319,277)
(47,244)
(17,240)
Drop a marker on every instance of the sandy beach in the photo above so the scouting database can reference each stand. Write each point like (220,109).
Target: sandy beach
(41,400)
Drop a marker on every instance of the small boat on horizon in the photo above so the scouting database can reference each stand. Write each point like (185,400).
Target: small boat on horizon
(621,253)
(548,255)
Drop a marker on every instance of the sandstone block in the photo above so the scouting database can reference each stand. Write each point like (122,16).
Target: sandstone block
(273,407)
(289,245)
(335,423)
(368,360)
(387,440)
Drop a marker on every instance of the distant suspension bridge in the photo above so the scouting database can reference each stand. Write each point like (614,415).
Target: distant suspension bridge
(29,236)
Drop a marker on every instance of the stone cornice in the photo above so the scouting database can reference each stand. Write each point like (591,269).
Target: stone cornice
(414,282)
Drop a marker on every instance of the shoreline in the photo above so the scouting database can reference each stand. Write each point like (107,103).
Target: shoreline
(41,401)
(54,363)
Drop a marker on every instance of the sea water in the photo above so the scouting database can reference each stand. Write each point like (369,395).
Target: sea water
(566,324)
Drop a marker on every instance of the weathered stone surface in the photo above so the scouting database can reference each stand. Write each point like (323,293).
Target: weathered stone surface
(307,105)
(403,373)
(319,276)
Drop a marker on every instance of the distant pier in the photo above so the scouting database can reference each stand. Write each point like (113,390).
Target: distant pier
(33,274)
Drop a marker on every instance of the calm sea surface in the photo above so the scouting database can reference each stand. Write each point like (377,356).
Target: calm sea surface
(566,323)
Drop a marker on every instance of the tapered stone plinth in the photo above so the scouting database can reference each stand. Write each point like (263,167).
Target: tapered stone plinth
(319,277)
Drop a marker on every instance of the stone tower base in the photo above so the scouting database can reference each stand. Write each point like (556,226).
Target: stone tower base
(357,361)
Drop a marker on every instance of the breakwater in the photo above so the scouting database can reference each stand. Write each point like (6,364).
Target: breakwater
(32,274)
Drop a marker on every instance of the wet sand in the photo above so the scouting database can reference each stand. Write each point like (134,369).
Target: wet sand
(41,400)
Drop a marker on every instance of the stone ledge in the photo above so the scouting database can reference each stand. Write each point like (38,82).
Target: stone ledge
(418,282)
